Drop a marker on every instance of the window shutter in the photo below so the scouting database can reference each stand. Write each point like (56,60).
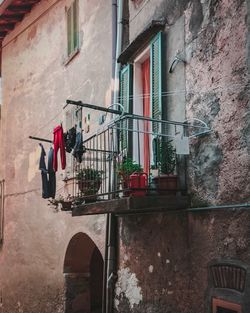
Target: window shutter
(69,29)
(156,79)
(75,24)
(73,27)
(125,101)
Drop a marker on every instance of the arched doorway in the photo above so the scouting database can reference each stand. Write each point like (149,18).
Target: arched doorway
(83,274)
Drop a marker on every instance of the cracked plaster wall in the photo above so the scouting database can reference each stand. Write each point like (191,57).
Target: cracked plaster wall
(168,255)
(213,86)
(163,259)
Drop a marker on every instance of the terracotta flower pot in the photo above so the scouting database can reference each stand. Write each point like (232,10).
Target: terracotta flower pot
(66,205)
(166,184)
(89,188)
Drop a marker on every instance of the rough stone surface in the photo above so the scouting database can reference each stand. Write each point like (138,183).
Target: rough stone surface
(169,267)
(217,93)
(169,254)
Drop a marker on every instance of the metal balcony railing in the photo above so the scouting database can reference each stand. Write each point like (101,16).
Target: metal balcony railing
(131,155)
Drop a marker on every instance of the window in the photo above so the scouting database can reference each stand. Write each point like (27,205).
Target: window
(221,306)
(73,28)
(146,75)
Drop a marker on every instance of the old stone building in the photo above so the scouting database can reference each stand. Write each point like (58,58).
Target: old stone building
(163,84)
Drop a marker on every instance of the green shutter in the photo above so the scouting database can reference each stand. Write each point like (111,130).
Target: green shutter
(73,27)
(125,101)
(75,24)
(156,80)
(69,29)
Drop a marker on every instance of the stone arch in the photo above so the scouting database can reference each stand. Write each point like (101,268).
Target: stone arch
(83,275)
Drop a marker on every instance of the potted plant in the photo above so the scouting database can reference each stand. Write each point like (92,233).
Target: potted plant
(66,204)
(89,181)
(166,181)
(125,169)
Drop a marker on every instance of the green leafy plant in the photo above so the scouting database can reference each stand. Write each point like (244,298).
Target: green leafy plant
(128,167)
(64,202)
(89,174)
(164,157)
(89,181)
(167,161)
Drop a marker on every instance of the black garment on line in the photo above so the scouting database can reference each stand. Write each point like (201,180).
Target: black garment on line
(42,167)
(52,174)
(48,183)
(70,139)
(78,148)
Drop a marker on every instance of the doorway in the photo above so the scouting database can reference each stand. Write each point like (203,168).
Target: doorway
(142,106)
(83,276)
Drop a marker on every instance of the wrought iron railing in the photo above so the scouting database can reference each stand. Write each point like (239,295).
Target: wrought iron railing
(129,156)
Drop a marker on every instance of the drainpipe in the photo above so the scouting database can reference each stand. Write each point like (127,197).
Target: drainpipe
(111,227)
(104,290)
(114,38)
(118,49)
(116,79)
(111,263)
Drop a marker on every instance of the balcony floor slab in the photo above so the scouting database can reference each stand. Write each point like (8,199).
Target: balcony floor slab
(134,205)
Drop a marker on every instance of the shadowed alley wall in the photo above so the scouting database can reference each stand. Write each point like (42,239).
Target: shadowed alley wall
(36,84)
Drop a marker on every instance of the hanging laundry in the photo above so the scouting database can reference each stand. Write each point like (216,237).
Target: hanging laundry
(78,148)
(70,139)
(52,174)
(59,144)
(42,167)
(48,175)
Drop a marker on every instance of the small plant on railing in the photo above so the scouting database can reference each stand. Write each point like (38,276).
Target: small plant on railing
(89,181)
(65,203)
(166,181)
(125,169)
(167,161)
(128,167)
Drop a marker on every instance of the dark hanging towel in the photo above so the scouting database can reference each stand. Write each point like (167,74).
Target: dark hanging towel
(52,174)
(42,167)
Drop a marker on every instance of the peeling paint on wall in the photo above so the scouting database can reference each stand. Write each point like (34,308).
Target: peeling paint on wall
(127,287)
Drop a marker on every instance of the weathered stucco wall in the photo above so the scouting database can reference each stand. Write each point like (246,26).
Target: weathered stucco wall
(213,42)
(36,84)
(153,274)
(218,93)
(164,259)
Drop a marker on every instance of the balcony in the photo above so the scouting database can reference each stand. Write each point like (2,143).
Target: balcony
(129,166)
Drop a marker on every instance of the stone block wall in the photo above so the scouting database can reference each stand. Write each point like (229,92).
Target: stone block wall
(164,259)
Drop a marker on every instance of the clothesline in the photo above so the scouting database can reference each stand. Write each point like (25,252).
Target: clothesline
(231,88)
(40,139)
(50,141)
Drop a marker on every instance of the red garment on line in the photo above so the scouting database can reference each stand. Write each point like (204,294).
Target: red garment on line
(59,144)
